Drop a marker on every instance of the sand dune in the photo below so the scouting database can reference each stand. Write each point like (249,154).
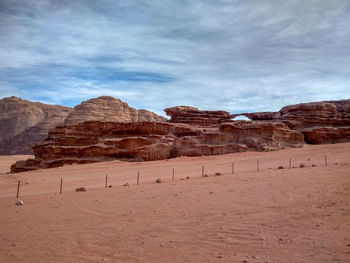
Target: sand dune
(270,215)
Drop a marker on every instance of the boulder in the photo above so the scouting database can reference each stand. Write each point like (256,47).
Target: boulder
(19,202)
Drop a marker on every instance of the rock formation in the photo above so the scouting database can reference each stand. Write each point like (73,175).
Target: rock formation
(23,122)
(194,116)
(317,135)
(320,122)
(107,108)
(146,141)
(305,115)
(190,132)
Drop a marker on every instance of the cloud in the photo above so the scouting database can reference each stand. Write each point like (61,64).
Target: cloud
(231,55)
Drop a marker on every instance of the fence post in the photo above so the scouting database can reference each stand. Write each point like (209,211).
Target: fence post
(173,174)
(138,178)
(19,183)
(203,171)
(106,181)
(257,166)
(290,163)
(325,160)
(61,185)
(233,168)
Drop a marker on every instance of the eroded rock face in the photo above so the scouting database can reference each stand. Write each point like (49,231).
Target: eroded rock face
(327,113)
(95,141)
(319,135)
(23,122)
(107,108)
(194,116)
(190,132)
(320,122)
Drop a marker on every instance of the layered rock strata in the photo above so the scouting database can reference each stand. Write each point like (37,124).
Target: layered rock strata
(306,115)
(23,122)
(194,116)
(320,122)
(147,141)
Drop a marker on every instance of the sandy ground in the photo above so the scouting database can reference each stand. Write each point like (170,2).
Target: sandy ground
(270,215)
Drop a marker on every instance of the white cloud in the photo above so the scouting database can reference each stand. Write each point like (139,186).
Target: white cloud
(230,55)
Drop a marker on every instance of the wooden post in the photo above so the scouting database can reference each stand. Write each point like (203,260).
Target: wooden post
(19,183)
(290,163)
(138,178)
(325,160)
(61,185)
(257,166)
(203,171)
(173,174)
(233,168)
(106,181)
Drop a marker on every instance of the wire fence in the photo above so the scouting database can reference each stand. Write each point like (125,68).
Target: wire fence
(148,175)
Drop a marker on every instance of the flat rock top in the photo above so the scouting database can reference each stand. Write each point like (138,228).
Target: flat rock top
(184,110)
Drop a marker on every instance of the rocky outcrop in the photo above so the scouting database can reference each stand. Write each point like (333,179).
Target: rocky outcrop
(146,141)
(190,132)
(194,116)
(319,135)
(23,122)
(107,108)
(320,122)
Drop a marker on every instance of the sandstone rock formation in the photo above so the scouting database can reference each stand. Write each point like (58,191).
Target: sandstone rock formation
(23,122)
(107,108)
(190,132)
(194,116)
(146,141)
(319,135)
(320,122)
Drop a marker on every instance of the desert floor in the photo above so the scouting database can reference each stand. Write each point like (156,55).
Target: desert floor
(271,215)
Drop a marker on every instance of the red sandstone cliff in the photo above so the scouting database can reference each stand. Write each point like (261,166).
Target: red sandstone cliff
(190,132)
(320,122)
(146,141)
(23,122)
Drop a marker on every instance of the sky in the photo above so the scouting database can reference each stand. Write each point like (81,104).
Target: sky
(233,55)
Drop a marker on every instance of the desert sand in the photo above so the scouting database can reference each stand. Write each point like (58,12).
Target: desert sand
(271,215)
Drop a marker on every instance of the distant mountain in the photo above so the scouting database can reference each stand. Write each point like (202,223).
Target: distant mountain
(23,122)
